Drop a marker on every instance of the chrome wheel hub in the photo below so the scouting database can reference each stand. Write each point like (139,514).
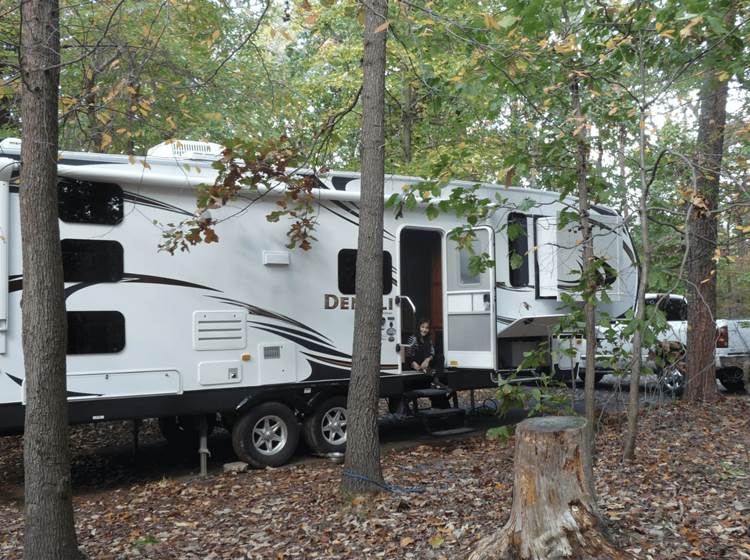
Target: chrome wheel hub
(269,435)
(333,426)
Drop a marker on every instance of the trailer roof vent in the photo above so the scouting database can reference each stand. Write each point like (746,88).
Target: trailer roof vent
(187,149)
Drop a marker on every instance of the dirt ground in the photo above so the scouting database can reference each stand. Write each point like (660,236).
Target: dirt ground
(686,495)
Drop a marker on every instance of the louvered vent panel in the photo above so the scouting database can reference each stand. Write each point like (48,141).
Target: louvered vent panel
(272,352)
(219,330)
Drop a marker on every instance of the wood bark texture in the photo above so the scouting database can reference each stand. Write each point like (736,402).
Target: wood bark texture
(48,508)
(554,515)
(640,307)
(362,473)
(702,242)
(589,276)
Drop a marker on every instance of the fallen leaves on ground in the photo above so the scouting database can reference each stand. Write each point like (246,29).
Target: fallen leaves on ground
(687,495)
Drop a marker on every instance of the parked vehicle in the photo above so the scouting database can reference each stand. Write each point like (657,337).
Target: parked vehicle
(667,359)
(258,335)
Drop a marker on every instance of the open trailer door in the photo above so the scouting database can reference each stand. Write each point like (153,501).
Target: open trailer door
(470,306)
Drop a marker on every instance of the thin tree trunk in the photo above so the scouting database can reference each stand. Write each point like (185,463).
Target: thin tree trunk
(363,473)
(702,242)
(49,527)
(589,310)
(624,210)
(407,120)
(640,306)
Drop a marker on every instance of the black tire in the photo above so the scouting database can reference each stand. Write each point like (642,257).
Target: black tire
(672,379)
(732,379)
(598,376)
(266,435)
(325,427)
(566,376)
(182,432)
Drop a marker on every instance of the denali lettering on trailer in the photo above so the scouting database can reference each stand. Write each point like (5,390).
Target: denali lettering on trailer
(332,301)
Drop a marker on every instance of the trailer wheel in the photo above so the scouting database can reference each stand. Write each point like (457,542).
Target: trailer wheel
(325,428)
(182,431)
(266,436)
(732,379)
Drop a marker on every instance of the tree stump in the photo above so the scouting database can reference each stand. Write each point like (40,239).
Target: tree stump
(554,513)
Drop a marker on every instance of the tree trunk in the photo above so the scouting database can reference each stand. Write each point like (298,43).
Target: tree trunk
(640,305)
(702,238)
(554,515)
(407,120)
(363,473)
(48,508)
(589,275)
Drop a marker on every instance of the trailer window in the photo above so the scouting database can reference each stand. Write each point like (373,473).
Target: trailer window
(518,250)
(84,202)
(95,332)
(467,277)
(89,260)
(348,271)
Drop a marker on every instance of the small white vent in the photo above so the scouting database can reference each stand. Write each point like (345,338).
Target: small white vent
(186,149)
(219,330)
(271,352)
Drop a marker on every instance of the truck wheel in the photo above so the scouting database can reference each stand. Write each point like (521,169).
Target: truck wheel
(183,432)
(598,376)
(567,376)
(672,379)
(325,428)
(732,380)
(266,436)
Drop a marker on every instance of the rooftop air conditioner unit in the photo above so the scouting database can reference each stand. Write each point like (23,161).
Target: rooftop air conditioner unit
(187,149)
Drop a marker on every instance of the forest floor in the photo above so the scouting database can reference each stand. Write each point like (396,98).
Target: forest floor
(687,495)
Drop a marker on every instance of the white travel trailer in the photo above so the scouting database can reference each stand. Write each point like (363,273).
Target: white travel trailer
(262,335)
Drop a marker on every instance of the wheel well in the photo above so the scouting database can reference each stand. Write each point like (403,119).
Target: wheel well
(321,396)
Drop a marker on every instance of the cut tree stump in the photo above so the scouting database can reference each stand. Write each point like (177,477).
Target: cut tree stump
(554,513)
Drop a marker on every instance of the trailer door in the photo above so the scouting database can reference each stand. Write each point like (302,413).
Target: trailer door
(470,306)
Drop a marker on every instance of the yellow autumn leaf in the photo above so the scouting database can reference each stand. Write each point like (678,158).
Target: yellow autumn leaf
(171,123)
(358,500)
(382,27)
(145,164)
(659,26)
(490,23)
(131,159)
(436,541)
(310,20)
(723,76)
(667,34)
(406,541)
(106,141)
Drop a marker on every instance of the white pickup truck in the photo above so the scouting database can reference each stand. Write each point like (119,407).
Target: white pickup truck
(732,354)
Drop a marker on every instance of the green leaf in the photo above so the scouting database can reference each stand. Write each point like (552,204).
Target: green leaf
(432,212)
